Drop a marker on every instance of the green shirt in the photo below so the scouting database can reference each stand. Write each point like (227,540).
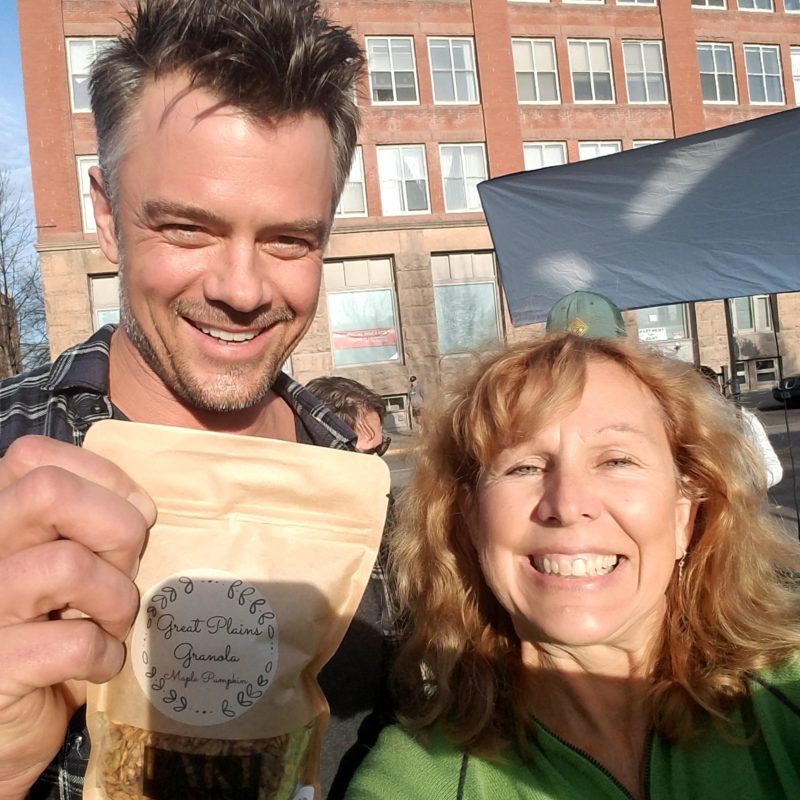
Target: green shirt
(401,768)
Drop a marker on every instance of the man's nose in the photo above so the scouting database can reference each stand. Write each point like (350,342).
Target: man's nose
(568,496)
(240,278)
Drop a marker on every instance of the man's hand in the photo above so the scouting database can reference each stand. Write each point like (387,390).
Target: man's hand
(72,527)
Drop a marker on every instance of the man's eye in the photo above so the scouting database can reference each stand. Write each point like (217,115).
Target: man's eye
(183,232)
(288,247)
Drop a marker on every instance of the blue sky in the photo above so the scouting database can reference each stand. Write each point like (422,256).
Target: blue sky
(14,155)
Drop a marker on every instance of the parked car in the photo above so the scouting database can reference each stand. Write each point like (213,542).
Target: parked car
(787,390)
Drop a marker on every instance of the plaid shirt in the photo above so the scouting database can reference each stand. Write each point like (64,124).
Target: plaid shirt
(62,400)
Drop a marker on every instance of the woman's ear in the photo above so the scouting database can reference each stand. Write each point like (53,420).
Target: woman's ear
(685,515)
(103,216)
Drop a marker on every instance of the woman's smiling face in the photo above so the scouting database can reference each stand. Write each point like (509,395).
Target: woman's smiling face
(579,527)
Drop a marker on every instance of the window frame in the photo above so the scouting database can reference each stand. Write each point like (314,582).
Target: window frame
(769,10)
(68,42)
(761,317)
(453,71)
(763,75)
(794,60)
(482,281)
(82,165)
(526,146)
(587,142)
(403,180)
(592,73)
(459,146)
(714,47)
(360,288)
(531,41)
(637,2)
(358,161)
(642,43)
(705,5)
(370,71)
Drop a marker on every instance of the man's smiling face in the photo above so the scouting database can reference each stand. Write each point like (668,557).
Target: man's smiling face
(221,224)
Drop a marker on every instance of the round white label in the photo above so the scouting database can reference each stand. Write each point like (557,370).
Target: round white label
(204,647)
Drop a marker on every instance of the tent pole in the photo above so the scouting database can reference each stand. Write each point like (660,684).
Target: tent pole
(734,381)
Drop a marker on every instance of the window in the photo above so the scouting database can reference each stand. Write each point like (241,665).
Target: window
(796,74)
(636,2)
(453,70)
(587,150)
(81,53)
(83,164)
(709,3)
(764,78)
(362,311)
(536,71)
(741,375)
(466,299)
(637,143)
(585,2)
(644,72)
(353,202)
(755,5)
(716,72)
(662,323)
(544,154)
(463,167)
(104,291)
(751,313)
(404,179)
(590,65)
(791,5)
(766,370)
(392,71)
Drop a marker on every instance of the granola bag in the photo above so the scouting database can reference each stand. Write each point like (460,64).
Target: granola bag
(248,581)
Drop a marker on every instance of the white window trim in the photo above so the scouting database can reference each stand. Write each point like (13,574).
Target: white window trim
(638,143)
(735,100)
(723,7)
(561,144)
(762,47)
(791,10)
(461,146)
(613,99)
(596,142)
(530,40)
(794,58)
(67,41)
(82,164)
(637,2)
(770,10)
(358,158)
(407,213)
(663,73)
(471,41)
(416,76)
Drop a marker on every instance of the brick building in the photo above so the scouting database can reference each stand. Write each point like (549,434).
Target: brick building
(456,91)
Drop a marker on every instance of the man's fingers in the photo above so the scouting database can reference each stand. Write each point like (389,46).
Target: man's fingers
(65,575)
(37,655)
(31,452)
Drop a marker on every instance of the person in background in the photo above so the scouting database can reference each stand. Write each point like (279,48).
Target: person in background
(586,314)
(773,469)
(597,603)
(225,133)
(358,406)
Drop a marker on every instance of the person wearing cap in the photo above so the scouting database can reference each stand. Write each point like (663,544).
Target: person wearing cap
(586,314)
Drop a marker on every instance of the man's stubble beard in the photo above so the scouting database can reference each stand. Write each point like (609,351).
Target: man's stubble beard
(229,392)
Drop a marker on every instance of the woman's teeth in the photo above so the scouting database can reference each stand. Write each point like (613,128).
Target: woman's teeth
(575,566)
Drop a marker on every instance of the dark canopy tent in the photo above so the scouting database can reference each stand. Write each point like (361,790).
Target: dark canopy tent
(704,217)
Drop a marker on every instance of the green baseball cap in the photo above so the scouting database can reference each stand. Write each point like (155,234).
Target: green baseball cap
(586,314)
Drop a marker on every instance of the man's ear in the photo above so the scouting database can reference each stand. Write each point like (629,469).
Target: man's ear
(103,216)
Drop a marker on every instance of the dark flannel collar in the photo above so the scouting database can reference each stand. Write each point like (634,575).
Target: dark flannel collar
(85,368)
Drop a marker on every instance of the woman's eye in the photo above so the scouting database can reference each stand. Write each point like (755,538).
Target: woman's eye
(526,469)
(618,461)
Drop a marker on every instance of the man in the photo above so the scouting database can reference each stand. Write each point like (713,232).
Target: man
(360,407)
(225,133)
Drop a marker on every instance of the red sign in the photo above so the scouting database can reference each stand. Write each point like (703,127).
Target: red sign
(369,337)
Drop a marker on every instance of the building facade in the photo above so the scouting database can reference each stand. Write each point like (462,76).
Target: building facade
(455,92)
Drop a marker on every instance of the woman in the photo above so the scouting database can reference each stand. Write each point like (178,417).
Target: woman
(597,605)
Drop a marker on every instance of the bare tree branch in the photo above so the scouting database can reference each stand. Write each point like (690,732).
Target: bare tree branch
(23,325)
